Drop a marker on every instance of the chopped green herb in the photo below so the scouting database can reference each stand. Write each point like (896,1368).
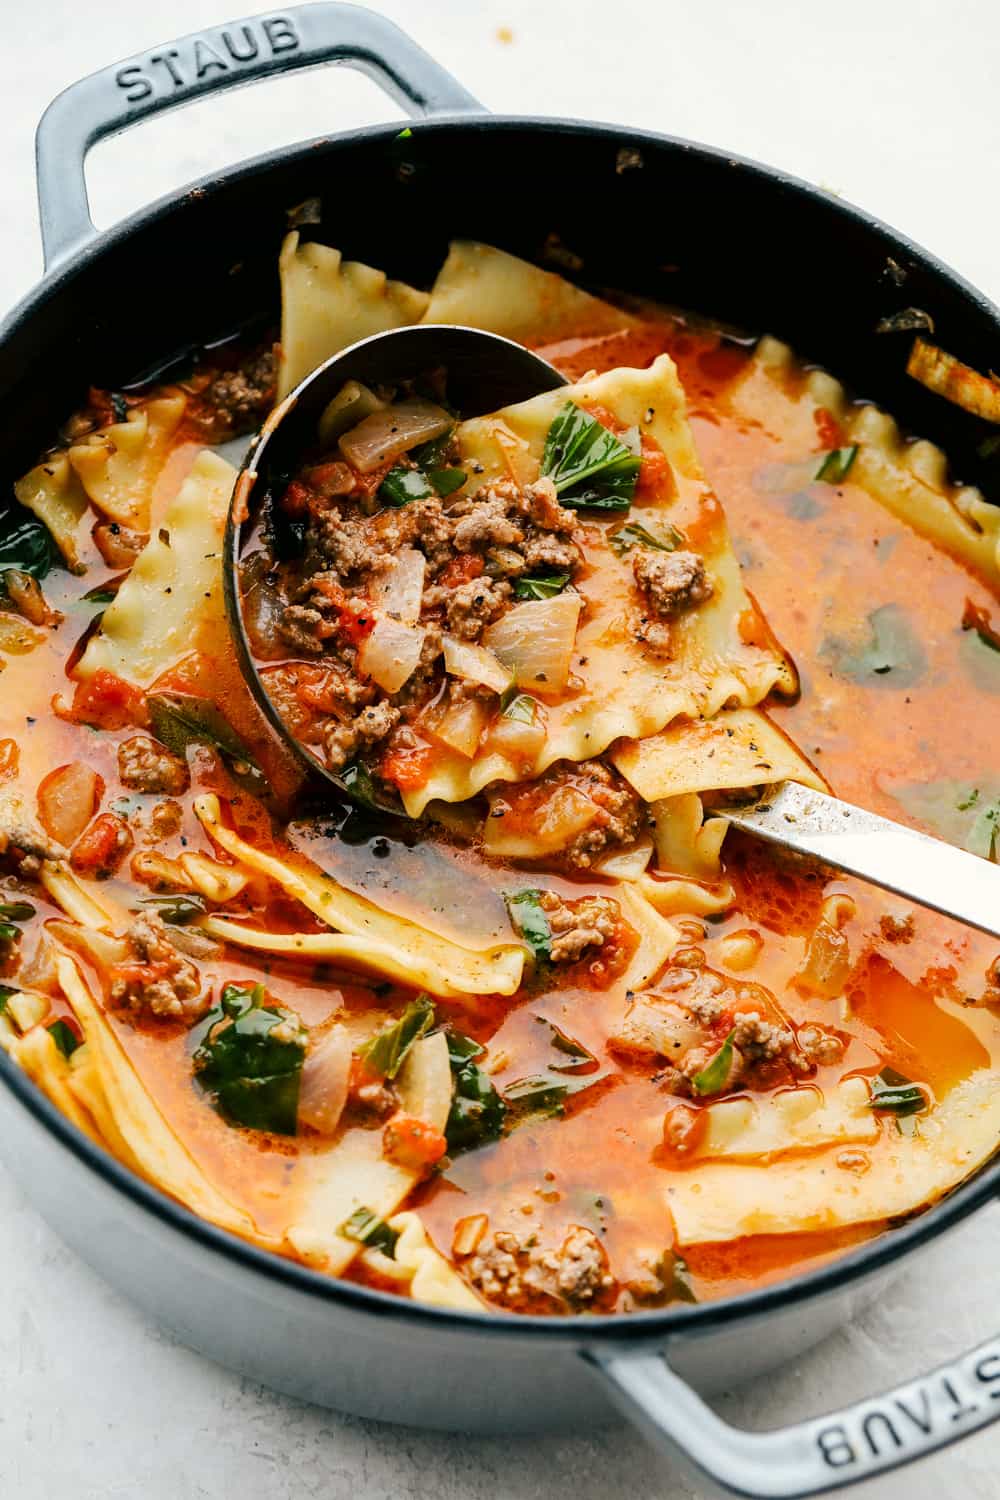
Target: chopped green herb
(590,467)
(530,922)
(542,1096)
(178,909)
(542,587)
(401,485)
(384,1054)
(893,653)
(964,815)
(100,595)
(25,544)
(64,1037)
(404,134)
(477,1110)
(715,1075)
(581,1059)
(253,1074)
(361,787)
(6,990)
(985,832)
(893,1091)
(367,1228)
(836,464)
(447,481)
(16,911)
(521,707)
(181,719)
(633,535)
(676,1277)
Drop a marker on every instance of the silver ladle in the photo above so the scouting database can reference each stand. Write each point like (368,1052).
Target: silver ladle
(486,372)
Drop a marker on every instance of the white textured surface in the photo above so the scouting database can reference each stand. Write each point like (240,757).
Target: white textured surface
(891,102)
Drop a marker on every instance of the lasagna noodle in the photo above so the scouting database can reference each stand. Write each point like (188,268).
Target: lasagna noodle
(328,303)
(382,941)
(431,1278)
(723,1200)
(909,478)
(119,465)
(483,287)
(171,602)
(723,652)
(52,491)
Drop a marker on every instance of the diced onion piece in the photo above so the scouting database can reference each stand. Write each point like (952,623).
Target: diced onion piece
(461,727)
(27,1009)
(326,1074)
(67,800)
(351,405)
(475,664)
(389,655)
(389,433)
(399,591)
(827,962)
(545,829)
(519,740)
(947,376)
(535,640)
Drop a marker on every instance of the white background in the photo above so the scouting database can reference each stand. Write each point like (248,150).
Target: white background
(892,103)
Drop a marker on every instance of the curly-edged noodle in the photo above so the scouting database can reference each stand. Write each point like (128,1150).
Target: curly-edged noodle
(171,602)
(83,901)
(385,943)
(119,465)
(483,287)
(328,303)
(354,1174)
(432,1279)
(910,479)
(727,1200)
(37,1054)
(686,842)
(52,491)
(657,937)
(722,652)
(151,1145)
(739,748)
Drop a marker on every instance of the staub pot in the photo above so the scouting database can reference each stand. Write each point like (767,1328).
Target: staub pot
(117,306)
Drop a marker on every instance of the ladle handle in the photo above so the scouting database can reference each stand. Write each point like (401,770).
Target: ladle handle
(206,62)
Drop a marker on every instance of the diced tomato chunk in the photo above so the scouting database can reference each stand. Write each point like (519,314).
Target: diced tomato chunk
(295,500)
(461,569)
(412,1143)
(354,621)
(101,848)
(655,473)
(606,418)
(828,429)
(407,769)
(108,702)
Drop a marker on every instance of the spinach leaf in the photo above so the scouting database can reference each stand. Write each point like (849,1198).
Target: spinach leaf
(401,485)
(962,814)
(16,911)
(446,481)
(6,990)
(542,587)
(477,1110)
(177,909)
(633,535)
(580,1058)
(181,719)
(253,1074)
(893,654)
(715,1075)
(64,1037)
(893,1091)
(362,788)
(836,464)
(530,922)
(25,543)
(367,1228)
(590,467)
(542,1095)
(384,1053)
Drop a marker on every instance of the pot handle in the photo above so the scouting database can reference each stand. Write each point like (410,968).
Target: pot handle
(221,57)
(811,1457)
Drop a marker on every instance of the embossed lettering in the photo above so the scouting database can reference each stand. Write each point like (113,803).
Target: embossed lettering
(250,45)
(281,34)
(988,1370)
(960,1410)
(870,1427)
(135,83)
(835,1448)
(167,59)
(206,58)
(924,1422)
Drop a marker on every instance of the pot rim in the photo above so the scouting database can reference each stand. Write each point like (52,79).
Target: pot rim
(633,1328)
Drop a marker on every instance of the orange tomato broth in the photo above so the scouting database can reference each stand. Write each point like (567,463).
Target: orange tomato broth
(817,569)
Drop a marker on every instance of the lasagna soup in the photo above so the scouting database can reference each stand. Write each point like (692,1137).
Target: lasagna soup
(513,1022)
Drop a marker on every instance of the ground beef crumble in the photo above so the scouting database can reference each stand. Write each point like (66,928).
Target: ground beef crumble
(236,401)
(672,582)
(579,926)
(155,981)
(520,1273)
(144,765)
